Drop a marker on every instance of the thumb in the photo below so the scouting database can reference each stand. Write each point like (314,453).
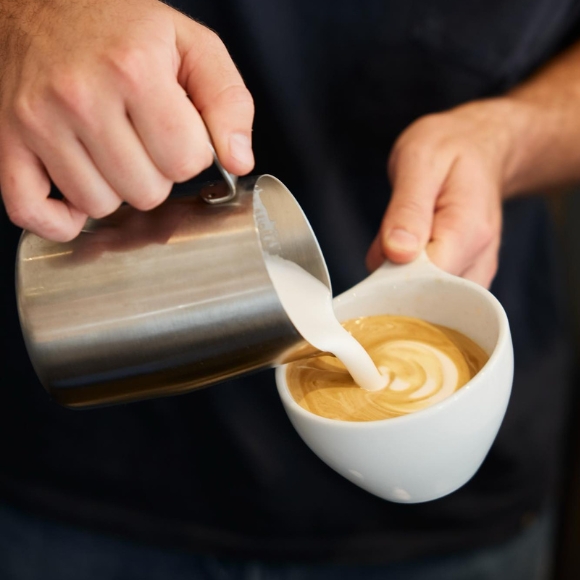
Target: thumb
(218,92)
(407,224)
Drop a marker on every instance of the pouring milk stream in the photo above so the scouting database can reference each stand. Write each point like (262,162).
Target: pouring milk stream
(308,303)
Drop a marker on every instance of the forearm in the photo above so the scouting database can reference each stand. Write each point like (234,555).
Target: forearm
(545,126)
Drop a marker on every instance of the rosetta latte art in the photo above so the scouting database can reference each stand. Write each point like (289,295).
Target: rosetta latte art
(424,363)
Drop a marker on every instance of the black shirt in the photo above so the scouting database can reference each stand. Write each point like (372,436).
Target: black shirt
(221,470)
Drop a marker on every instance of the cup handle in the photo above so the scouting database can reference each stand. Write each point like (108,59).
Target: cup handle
(388,274)
(419,267)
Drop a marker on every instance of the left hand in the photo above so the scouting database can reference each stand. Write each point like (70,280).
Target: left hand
(447,172)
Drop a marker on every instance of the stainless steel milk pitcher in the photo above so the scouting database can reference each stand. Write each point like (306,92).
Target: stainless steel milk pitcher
(145,304)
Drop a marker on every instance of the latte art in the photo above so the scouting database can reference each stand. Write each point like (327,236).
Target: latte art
(424,363)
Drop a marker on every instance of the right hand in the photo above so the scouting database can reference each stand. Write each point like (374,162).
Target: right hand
(94,96)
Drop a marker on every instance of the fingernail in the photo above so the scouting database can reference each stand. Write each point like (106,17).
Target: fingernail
(241,148)
(399,239)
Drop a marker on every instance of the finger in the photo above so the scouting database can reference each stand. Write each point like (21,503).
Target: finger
(74,173)
(120,157)
(170,128)
(25,188)
(219,94)
(467,221)
(375,256)
(406,227)
(484,269)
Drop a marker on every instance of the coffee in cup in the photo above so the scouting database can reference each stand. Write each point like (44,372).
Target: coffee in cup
(425,363)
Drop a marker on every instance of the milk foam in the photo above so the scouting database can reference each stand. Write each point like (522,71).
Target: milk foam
(436,388)
(308,304)
(425,363)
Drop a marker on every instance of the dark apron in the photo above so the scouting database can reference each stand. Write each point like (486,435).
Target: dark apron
(222,470)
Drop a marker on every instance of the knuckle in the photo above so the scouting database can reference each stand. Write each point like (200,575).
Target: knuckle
(151,198)
(433,123)
(418,141)
(74,94)
(103,208)
(29,112)
(187,167)
(414,154)
(421,128)
(239,96)
(412,205)
(410,211)
(130,64)
(211,39)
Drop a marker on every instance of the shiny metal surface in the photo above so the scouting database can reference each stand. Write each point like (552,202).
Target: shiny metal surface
(229,178)
(146,304)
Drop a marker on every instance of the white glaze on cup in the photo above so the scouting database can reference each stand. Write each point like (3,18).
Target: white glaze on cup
(430,453)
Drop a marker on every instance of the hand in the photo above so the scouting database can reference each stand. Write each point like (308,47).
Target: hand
(447,172)
(94,96)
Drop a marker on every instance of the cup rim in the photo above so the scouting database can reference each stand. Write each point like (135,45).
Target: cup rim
(503,342)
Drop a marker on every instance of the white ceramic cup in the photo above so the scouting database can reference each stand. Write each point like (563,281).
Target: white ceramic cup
(430,453)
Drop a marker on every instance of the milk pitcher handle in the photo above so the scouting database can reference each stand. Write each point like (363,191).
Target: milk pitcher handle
(214,197)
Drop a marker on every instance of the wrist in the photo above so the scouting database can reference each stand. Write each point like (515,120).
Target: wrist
(542,153)
(502,126)
(528,130)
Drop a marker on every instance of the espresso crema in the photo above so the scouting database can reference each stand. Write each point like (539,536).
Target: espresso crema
(424,363)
